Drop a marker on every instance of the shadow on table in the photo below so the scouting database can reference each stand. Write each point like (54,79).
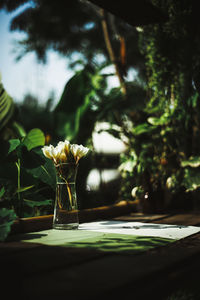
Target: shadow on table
(25,236)
(124,244)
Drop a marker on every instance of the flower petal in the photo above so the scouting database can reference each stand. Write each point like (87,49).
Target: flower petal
(78,151)
(48,151)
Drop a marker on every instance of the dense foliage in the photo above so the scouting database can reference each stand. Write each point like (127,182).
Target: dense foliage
(157,115)
(168,130)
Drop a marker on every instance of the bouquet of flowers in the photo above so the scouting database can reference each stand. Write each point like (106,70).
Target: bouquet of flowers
(65,157)
(65,152)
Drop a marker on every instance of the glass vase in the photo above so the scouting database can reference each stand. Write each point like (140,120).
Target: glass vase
(66,208)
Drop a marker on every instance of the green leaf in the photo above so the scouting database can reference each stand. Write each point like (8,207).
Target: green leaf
(34,138)
(19,129)
(74,107)
(74,92)
(143,128)
(46,173)
(163,120)
(32,203)
(193,161)
(7,217)
(191,179)
(2,191)
(23,189)
(13,144)
(6,107)
(30,159)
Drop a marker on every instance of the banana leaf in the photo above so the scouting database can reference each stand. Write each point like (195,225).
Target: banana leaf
(6,107)
(74,119)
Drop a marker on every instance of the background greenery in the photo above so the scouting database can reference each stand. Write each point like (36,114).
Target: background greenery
(157,114)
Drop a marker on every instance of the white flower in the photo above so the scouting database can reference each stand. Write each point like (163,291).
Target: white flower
(60,146)
(78,151)
(48,151)
(74,149)
(64,152)
(57,153)
(66,147)
(51,152)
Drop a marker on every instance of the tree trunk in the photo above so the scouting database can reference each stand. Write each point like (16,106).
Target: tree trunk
(111,51)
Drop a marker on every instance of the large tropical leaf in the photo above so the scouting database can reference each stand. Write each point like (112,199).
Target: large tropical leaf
(72,105)
(6,107)
(74,118)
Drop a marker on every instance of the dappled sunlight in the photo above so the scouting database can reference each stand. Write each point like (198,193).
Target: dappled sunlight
(141,229)
(96,177)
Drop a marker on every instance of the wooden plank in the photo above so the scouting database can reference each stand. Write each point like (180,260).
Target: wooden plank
(17,266)
(187,219)
(33,224)
(176,276)
(43,259)
(45,272)
(140,217)
(12,247)
(115,274)
(107,212)
(23,225)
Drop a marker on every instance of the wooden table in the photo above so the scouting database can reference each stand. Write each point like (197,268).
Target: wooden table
(35,271)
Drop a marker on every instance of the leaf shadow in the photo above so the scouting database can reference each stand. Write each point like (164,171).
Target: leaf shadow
(121,245)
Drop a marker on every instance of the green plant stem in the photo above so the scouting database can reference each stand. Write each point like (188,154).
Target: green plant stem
(18,164)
